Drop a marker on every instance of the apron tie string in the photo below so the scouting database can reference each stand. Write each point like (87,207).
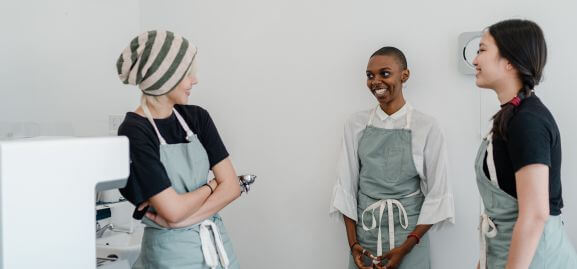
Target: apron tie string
(403,220)
(487,229)
(211,256)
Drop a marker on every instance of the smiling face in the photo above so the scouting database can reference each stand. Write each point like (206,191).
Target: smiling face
(385,77)
(491,69)
(179,95)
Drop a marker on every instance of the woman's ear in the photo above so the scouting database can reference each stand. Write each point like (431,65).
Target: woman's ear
(508,65)
(405,75)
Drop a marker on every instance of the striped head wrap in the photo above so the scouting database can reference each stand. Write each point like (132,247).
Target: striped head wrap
(156,61)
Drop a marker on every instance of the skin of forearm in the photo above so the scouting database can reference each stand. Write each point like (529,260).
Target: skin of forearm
(420,230)
(532,183)
(223,195)
(526,236)
(177,207)
(351,228)
(196,199)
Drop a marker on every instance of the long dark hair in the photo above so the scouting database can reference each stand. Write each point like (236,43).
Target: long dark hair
(522,43)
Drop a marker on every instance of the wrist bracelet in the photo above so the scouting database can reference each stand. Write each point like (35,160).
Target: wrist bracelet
(211,190)
(414,235)
(355,243)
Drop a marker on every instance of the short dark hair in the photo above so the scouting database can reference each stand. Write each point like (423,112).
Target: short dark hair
(392,51)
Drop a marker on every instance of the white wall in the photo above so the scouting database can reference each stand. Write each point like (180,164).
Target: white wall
(280,78)
(58,68)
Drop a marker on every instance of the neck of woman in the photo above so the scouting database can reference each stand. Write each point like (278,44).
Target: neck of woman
(160,107)
(508,90)
(393,106)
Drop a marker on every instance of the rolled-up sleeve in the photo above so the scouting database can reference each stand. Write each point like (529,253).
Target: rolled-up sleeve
(344,197)
(439,207)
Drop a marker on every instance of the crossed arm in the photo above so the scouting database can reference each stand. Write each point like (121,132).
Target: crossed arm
(180,210)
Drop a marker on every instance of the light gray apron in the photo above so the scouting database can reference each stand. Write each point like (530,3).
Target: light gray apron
(498,220)
(389,181)
(200,246)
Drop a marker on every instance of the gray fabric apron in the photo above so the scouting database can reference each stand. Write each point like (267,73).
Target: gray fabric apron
(200,246)
(389,181)
(498,220)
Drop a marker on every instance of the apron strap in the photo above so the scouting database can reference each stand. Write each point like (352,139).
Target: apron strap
(370,122)
(151,120)
(409,118)
(212,254)
(189,132)
(181,120)
(403,220)
(491,161)
(487,229)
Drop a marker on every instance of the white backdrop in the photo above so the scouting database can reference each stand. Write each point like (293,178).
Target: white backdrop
(279,79)
(58,65)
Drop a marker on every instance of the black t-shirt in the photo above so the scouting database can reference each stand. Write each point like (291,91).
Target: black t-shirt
(148,176)
(532,138)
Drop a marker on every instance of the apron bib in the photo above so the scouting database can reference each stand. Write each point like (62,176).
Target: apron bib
(200,246)
(498,220)
(389,196)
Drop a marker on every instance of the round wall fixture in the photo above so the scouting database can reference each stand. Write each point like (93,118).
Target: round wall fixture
(467,50)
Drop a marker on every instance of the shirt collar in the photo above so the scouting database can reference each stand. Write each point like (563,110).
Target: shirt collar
(395,116)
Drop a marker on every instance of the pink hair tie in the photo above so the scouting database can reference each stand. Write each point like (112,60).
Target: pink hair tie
(515,101)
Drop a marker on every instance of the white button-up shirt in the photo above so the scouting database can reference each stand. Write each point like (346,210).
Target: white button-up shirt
(429,155)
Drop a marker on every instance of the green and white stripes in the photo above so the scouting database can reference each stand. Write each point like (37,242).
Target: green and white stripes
(156,61)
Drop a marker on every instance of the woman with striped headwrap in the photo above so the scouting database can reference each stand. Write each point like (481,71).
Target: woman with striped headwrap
(172,147)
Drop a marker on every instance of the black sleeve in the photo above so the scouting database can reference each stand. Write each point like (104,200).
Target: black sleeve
(210,139)
(529,141)
(147,176)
